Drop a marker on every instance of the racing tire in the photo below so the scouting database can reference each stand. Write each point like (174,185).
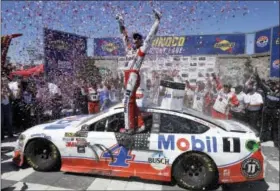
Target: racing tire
(42,155)
(195,171)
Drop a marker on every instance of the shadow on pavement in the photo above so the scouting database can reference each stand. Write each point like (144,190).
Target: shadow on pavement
(123,179)
(247,186)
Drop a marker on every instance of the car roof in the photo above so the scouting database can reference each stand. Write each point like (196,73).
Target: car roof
(186,111)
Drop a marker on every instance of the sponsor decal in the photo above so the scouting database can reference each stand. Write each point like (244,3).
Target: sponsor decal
(158,161)
(252,145)
(81,149)
(275,64)
(224,45)
(76,134)
(277,41)
(262,41)
(251,168)
(226,172)
(109,47)
(68,139)
(231,145)
(42,135)
(183,144)
(71,144)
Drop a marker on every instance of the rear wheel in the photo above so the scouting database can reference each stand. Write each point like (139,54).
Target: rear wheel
(195,171)
(42,155)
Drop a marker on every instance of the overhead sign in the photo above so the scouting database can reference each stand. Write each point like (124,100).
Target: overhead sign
(178,45)
(108,47)
(274,60)
(262,41)
(62,52)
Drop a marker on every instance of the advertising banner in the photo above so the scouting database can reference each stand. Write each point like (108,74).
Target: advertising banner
(108,47)
(274,60)
(178,45)
(62,52)
(262,41)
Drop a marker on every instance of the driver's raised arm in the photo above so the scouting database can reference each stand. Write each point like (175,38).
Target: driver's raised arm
(148,41)
(124,33)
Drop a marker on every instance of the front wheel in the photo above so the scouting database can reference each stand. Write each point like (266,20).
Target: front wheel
(42,155)
(195,171)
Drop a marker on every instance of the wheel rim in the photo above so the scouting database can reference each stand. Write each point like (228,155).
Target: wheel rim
(193,171)
(43,152)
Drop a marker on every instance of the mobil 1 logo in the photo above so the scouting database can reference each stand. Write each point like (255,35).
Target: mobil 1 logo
(231,144)
(251,168)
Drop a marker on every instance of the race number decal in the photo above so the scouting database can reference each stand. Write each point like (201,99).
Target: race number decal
(120,155)
(231,145)
(251,168)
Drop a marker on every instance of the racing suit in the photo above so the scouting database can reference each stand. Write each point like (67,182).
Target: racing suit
(93,101)
(135,59)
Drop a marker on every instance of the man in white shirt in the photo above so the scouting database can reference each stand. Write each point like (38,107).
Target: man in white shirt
(199,96)
(253,104)
(238,112)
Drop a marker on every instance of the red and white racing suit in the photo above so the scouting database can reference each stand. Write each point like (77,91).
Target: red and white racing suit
(132,116)
(222,105)
(93,101)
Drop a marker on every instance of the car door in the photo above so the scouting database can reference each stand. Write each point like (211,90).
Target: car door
(177,134)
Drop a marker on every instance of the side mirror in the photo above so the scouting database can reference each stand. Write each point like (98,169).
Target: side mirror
(85,128)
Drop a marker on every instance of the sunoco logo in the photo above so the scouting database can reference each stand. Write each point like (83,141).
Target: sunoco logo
(109,47)
(158,161)
(224,45)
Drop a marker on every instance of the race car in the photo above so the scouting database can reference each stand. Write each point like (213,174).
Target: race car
(183,147)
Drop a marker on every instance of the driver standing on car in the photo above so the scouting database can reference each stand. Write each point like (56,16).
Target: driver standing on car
(135,55)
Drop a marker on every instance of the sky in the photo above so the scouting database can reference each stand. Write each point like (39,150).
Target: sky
(96,19)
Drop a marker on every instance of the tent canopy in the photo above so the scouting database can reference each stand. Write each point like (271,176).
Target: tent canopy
(28,72)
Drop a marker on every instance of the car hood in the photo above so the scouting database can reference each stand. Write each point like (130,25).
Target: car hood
(235,126)
(63,124)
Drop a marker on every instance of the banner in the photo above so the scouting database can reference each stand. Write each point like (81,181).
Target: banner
(178,45)
(274,60)
(262,41)
(109,47)
(199,45)
(62,52)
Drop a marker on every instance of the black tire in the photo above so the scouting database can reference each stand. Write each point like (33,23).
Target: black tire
(195,171)
(42,155)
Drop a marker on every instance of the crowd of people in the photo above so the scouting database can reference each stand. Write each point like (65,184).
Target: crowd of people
(27,101)
(256,102)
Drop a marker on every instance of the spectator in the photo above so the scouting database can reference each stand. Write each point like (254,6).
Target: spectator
(199,97)
(16,88)
(253,104)
(93,99)
(223,102)
(27,100)
(104,97)
(6,109)
(238,112)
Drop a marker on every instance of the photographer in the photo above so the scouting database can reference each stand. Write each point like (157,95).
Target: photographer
(271,112)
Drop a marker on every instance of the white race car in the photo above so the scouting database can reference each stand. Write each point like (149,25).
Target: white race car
(186,147)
